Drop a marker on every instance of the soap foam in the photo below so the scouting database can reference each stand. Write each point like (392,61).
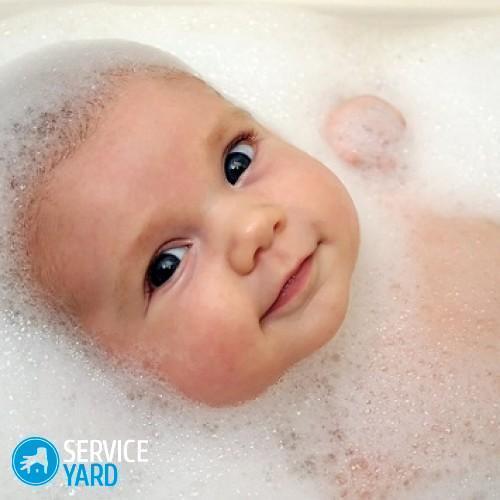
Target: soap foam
(382,410)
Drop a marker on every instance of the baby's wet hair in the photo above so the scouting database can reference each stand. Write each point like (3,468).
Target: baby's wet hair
(51,102)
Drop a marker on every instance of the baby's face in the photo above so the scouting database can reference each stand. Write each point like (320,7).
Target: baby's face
(173,228)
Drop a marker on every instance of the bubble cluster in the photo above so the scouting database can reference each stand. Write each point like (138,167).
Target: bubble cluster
(391,408)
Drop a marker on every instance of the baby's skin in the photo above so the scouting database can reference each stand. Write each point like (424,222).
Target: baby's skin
(451,253)
(171,231)
(365,132)
(457,261)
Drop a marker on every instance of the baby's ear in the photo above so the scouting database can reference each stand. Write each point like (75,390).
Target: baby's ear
(365,132)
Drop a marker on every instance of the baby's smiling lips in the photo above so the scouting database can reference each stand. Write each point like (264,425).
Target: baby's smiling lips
(290,287)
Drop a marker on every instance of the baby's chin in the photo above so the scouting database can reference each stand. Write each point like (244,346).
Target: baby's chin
(224,395)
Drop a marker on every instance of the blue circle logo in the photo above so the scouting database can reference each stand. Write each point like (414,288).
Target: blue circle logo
(35,461)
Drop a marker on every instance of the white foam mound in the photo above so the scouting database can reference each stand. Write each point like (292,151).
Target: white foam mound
(383,410)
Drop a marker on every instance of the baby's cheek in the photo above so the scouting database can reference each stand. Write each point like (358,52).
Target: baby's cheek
(210,361)
(216,349)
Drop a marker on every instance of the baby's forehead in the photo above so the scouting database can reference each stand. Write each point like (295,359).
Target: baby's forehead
(187,112)
(153,121)
(183,103)
(176,87)
(185,107)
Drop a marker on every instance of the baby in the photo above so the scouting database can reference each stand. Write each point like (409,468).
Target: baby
(183,234)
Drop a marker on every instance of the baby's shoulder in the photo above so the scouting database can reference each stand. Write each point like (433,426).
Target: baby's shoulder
(457,265)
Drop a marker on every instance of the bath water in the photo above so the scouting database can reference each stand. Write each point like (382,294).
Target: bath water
(384,410)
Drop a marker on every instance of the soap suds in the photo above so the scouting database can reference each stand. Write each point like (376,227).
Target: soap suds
(386,409)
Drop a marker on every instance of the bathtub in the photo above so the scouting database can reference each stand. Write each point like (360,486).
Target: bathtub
(423,8)
(182,459)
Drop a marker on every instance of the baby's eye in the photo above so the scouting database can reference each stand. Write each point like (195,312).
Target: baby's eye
(239,158)
(163,267)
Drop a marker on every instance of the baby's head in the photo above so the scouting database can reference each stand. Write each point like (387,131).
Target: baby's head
(168,221)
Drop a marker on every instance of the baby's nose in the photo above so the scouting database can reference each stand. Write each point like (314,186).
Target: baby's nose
(253,233)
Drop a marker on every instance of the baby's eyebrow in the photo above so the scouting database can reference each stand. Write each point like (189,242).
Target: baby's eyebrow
(218,132)
(128,261)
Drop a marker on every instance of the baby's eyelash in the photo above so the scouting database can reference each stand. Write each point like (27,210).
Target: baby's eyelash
(249,136)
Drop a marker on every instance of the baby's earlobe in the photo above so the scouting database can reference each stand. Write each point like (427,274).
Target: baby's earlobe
(365,132)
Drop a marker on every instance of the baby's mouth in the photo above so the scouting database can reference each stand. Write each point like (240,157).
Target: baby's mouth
(292,285)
